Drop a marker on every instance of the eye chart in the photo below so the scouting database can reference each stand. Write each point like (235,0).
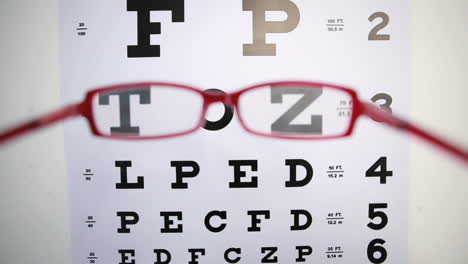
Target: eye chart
(220,194)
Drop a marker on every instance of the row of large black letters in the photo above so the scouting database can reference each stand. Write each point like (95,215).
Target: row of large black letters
(231,255)
(191,169)
(173,220)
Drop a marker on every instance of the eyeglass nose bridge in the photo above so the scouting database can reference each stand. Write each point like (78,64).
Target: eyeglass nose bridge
(218,96)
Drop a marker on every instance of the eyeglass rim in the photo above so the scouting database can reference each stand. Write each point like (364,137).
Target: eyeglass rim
(208,99)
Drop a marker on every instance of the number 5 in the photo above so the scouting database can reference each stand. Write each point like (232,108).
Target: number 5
(380,214)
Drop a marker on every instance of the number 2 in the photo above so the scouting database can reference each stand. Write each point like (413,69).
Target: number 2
(374,33)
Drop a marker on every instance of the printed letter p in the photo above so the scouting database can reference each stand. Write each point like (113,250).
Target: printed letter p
(261,27)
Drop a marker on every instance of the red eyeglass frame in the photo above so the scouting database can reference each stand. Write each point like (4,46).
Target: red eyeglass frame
(360,108)
(230,99)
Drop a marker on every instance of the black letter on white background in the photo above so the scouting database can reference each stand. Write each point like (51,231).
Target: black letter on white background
(146,28)
(269,257)
(297,226)
(303,251)
(293,163)
(124,184)
(239,174)
(229,250)
(220,214)
(194,256)
(168,222)
(256,220)
(159,257)
(181,174)
(125,254)
(127,218)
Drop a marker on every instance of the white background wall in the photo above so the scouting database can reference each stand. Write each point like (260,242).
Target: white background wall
(33,185)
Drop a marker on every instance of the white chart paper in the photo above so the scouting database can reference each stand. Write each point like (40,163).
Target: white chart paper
(339,216)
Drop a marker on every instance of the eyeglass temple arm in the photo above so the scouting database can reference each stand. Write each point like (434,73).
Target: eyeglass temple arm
(376,113)
(40,122)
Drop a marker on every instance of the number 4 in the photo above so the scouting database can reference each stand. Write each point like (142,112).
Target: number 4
(382,173)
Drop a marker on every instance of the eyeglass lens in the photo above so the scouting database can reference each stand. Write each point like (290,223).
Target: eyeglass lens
(297,111)
(147,111)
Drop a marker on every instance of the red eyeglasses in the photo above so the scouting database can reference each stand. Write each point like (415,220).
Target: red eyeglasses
(287,110)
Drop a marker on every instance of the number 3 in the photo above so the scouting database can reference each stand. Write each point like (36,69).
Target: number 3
(386,105)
